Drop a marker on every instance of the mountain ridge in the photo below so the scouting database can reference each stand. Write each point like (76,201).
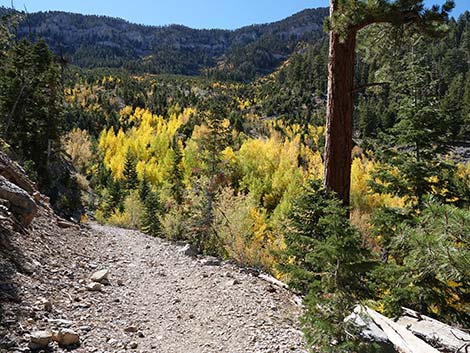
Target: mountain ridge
(91,41)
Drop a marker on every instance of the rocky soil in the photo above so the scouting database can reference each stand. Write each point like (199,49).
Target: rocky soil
(152,296)
(104,289)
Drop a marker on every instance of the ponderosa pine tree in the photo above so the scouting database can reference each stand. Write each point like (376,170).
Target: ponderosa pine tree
(347,18)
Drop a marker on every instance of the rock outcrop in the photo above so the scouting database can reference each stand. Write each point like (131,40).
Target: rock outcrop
(20,203)
(11,171)
(18,194)
(101,277)
(33,243)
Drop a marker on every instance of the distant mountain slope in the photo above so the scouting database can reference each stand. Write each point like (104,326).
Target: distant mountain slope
(98,41)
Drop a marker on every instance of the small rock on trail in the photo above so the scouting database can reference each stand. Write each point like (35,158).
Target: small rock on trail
(40,340)
(66,338)
(101,276)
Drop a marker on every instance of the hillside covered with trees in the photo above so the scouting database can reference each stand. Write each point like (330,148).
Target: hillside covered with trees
(243,54)
(223,139)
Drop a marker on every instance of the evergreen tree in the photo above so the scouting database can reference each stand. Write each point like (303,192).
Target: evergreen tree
(453,63)
(466,105)
(131,180)
(413,150)
(217,139)
(176,174)
(116,197)
(451,104)
(465,37)
(428,270)
(151,218)
(367,117)
(211,145)
(325,259)
(7,22)
(144,189)
(31,118)
(31,105)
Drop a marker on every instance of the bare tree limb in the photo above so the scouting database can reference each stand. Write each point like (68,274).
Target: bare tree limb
(10,116)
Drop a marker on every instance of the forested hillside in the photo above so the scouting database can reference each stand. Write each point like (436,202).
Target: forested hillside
(243,54)
(297,91)
(161,130)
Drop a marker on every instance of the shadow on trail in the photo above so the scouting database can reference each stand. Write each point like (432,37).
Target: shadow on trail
(12,260)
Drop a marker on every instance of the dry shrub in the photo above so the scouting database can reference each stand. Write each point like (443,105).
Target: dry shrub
(243,230)
(130,218)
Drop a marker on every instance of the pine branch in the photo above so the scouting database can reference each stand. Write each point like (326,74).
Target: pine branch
(368,85)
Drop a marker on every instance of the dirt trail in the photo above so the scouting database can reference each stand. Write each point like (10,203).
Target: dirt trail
(159,300)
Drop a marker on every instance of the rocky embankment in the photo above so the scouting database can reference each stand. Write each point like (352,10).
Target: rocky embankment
(103,289)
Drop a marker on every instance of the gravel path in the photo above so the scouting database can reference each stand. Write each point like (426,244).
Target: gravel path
(179,304)
(158,300)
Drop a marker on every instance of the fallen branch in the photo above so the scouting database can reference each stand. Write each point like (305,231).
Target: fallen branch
(401,338)
(273,280)
(434,332)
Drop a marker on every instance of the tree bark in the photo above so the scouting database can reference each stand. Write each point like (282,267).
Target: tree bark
(340,106)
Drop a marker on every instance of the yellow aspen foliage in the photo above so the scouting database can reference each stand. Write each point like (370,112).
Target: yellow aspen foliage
(288,174)
(270,169)
(463,170)
(192,164)
(126,111)
(229,156)
(77,144)
(191,156)
(314,162)
(315,133)
(149,140)
(362,198)
(243,104)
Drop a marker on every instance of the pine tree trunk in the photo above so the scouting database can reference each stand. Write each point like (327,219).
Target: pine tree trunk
(338,145)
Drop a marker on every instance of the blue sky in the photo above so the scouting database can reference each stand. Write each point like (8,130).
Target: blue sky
(193,13)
